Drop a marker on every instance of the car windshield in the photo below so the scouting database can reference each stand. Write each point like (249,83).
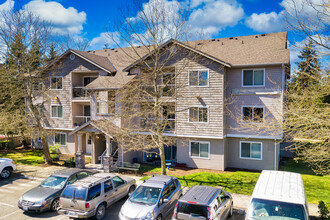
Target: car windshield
(73,192)
(55,182)
(146,194)
(192,209)
(267,209)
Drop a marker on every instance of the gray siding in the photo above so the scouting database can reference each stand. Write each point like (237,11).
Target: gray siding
(64,69)
(233,159)
(215,162)
(211,96)
(269,96)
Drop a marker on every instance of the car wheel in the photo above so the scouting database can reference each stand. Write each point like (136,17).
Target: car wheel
(131,189)
(159,217)
(100,212)
(230,210)
(55,204)
(6,173)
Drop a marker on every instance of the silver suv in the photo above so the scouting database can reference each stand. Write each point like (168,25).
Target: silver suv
(92,195)
(204,202)
(153,199)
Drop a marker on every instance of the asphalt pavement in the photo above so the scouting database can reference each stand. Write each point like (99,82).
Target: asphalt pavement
(11,190)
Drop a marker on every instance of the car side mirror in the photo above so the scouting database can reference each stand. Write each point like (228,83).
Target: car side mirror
(165,200)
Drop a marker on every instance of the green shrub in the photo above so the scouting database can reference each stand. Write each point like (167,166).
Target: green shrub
(54,149)
(324,211)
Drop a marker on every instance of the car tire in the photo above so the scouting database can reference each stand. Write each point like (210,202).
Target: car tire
(230,214)
(131,189)
(55,205)
(6,173)
(159,217)
(100,212)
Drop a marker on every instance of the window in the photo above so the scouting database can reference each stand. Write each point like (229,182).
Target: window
(57,111)
(82,175)
(94,192)
(88,79)
(60,139)
(56,82)
(168,84)
(198,114)
(199,78)
(253,77)
(253,114)
(251,150)
(199,149)
(117,181)
(72,179)
(108,186)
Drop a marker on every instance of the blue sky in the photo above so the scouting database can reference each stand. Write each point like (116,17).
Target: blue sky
(217,18)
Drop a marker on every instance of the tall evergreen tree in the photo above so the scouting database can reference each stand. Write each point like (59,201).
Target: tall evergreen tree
(308,68)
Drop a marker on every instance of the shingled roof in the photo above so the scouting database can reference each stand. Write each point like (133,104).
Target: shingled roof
(101,61)
(265,49)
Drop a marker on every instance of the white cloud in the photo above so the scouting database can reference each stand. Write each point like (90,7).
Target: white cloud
(311,12)
(271,22)
(7,5)
(64,20)
(214,15)
(105,38)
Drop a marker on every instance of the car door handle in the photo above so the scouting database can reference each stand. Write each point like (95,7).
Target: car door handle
(105,195)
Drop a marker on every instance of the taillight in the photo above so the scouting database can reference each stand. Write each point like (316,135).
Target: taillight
(59,201)
(175,209)
(86,205)
(209,217)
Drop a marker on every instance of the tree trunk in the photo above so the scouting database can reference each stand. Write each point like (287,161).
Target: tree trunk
(162,160)
(45,149)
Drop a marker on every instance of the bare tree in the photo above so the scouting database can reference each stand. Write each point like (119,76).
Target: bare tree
(157,58)
(26,42)
(310,18)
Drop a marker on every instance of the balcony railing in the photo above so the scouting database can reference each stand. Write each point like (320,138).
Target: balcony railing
(80,120)
(79,92)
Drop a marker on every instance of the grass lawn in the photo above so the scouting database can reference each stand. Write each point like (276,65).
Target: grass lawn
(29,157)
(316,187)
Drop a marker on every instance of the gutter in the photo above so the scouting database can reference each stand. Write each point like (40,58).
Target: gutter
(263,64)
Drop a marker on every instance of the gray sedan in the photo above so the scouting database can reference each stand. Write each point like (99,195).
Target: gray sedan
(46,196)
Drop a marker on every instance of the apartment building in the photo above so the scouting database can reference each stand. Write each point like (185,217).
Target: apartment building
(220,113)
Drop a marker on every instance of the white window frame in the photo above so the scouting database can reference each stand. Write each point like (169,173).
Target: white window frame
(208,114)
(51,111)
(199,70)
(203,142)
(253,106)
(264,69)
(66,138)
(50,80)
(250,142)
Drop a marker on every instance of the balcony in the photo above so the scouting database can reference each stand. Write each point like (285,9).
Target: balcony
(80,120)
(78,93)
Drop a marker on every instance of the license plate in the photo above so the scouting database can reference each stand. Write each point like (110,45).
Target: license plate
(72,214)
(25,208)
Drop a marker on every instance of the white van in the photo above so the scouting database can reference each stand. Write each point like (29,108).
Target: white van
(278,195)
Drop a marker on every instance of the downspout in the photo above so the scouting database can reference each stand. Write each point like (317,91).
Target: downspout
(275,164)
(122,150)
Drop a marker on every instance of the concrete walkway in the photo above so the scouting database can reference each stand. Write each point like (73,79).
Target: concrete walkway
(37,172)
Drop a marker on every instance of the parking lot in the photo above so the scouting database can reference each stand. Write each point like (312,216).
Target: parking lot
(13,188)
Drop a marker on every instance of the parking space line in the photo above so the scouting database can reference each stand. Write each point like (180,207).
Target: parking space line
(63,217)
(3,217)
(7,204)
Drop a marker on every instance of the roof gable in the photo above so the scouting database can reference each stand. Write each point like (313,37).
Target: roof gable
(172,41)
(98,61)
